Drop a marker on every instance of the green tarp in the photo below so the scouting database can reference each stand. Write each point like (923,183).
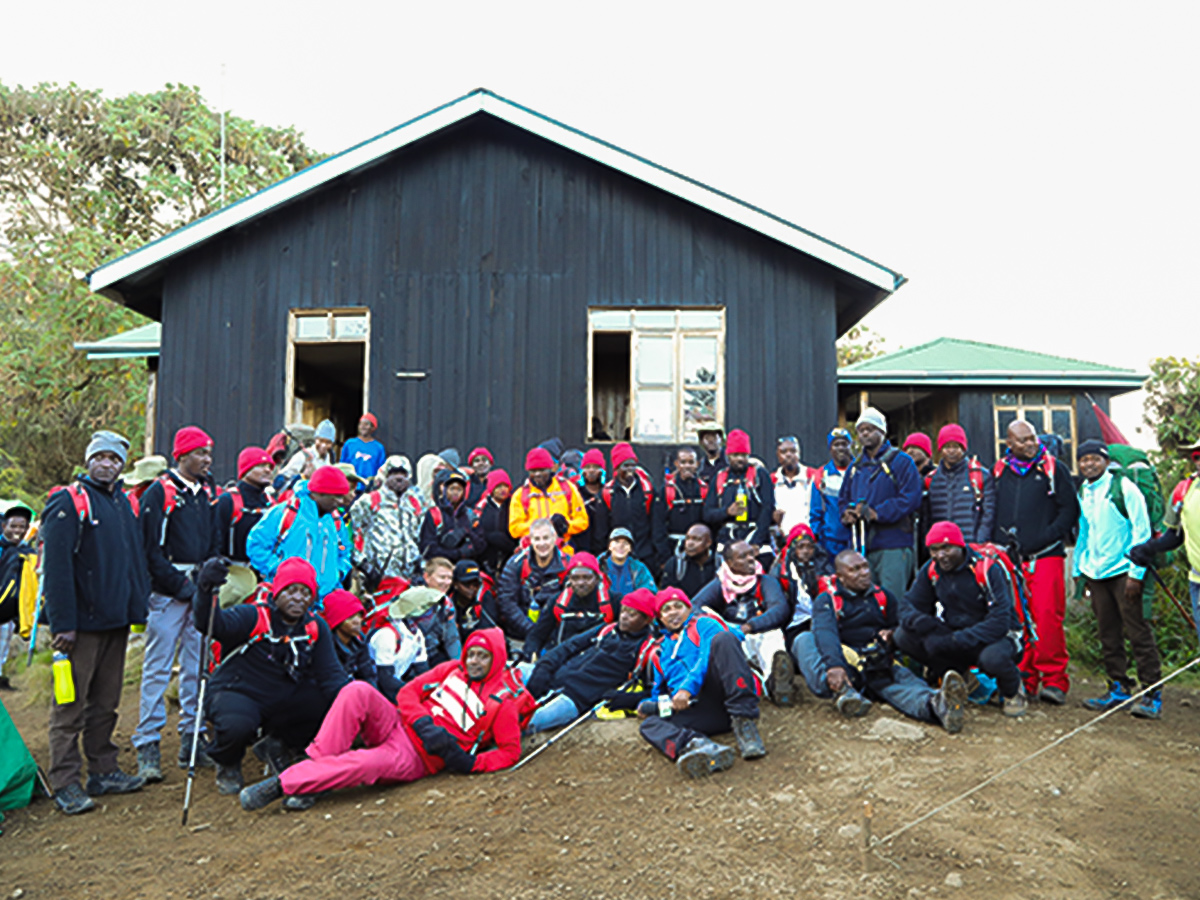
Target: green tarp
(18,771)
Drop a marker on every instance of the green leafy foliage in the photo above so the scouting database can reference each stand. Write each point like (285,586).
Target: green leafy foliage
(858,344)
(83,179)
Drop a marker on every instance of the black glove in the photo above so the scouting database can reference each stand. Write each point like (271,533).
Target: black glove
(618,699)
(459,760)
(1141,555)
(921,625)
(436,739)
(371,576)
(560,523)
(213,574)
(455,539)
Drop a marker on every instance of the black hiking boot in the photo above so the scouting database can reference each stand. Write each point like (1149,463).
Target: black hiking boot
(264,793)
(229,780)
(300,802)
(702,757)
(149,763)
(273,753)
(947,704)
(783,686)
(72,800)
(116,782)
(749,741)
(203,760)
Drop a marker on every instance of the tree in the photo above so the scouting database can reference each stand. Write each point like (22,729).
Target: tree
(83,179)
(858,344)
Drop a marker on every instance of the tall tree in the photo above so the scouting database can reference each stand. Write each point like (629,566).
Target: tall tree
(858,344)
(83,179)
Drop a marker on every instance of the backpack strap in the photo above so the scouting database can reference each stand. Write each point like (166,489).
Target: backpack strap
(975,475)
(1180,493)
(285,523)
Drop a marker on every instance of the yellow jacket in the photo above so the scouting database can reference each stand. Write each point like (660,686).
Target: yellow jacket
(529,503)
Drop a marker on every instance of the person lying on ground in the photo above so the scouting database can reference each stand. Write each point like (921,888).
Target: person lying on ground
(702,686)
(458,716)
(848,654)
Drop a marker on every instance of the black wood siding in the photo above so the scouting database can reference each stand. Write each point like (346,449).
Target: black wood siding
(479,252)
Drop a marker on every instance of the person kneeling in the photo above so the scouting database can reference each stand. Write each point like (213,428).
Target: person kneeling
(848,652)
(278,671)
(439,722)
(960,612)
(703,687)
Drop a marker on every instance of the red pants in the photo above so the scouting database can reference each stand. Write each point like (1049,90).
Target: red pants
(1045,663)
(388,758)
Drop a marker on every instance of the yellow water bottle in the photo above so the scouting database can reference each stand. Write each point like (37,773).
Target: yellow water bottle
(744,515)
(138,628)
(64,681)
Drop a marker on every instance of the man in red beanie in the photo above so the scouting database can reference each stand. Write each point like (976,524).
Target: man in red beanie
(918,446)
(240,507)
(960,613)
(545,496)
(179,532)
(594,538)
(278,668)
(583,603)
(741,503)
(592,666)
(631,503)
(481,462)
(492,516)
(961,490)
(458,716)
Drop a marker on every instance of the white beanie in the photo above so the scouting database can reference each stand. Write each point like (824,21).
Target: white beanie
(326,431)
(872,416)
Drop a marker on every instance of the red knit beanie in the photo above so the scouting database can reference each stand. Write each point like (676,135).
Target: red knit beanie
(584,560)
(952,434)
(329,480)
(945,533)
(620,453)
(800,531)
(666,595)
(480,451)
(921,440)
(642,600)
(593,458)
(737,442)
(539,458)
(251,457)
(294,570)
(495,478)
(189,439)
(340,605)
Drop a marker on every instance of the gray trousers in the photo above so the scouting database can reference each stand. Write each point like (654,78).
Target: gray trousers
(907,692)
(892,569)
(98,669)
(169,627)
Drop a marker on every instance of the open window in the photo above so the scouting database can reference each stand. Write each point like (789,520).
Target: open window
(327,371)
(655,375)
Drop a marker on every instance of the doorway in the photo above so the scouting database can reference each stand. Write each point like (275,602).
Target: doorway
(328,375)
(610,386)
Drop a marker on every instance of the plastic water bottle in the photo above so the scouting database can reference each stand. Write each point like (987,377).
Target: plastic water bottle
(64,680)
(740,499)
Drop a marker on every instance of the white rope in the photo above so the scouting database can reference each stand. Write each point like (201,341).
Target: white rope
(1070,734)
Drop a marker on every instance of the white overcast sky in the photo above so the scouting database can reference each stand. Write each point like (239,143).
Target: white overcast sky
(1029,166)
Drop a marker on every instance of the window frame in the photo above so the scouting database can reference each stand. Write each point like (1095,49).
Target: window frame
(1044,409)
(331,314)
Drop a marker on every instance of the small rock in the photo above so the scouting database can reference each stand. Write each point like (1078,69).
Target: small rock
(849,831)
(1186,701)
(893,729)
(18,894)
(954,880)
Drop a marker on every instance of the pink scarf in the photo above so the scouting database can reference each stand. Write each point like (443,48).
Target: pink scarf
(734,585)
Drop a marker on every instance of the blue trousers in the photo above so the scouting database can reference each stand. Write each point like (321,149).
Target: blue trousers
(169,628)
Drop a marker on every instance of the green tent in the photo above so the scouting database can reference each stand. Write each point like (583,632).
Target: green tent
(18,771)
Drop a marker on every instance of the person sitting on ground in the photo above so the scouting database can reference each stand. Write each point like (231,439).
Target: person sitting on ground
(696,566)
(459,716)
(480,460)
(702,686)
(430,609)
(532,579)
(622,571)
(799,568)
(543,496)
(397,649)
(449,528)
(950,622)
(583,603)
(387,524)
(755,604)
(848,653)
(343,613)
(278,668)
(492,522)
(591,666)
(476,605)
(594,538)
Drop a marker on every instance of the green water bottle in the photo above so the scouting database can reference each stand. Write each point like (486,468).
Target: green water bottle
(64,681)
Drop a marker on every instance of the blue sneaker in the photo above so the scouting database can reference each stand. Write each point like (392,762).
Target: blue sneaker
(984,689)
(1115,697)
(1149,707)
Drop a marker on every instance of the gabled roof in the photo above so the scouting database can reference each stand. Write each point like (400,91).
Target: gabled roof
(133,344)
(950,361)
(107,278)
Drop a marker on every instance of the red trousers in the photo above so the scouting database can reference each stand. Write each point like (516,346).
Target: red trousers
(1045,663)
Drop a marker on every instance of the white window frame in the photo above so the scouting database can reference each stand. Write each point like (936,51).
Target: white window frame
(330,315)
(677,331)
(1027,411)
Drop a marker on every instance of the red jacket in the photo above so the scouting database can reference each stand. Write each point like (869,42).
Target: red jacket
(477,713)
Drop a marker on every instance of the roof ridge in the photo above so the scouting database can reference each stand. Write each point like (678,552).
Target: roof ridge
(947,339)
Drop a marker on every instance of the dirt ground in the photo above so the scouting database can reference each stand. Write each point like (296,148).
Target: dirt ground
(1111,813)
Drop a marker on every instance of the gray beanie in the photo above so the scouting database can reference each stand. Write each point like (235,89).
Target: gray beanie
(872,416)
(110,441)
(326,431)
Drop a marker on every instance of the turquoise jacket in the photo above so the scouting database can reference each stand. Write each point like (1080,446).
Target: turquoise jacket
(1105,535)
(322,540)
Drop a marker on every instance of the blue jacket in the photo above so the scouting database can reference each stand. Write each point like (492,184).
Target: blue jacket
(1105,535)
(683,656)
(625,579)
(322,540)
(824,516)
(895,497)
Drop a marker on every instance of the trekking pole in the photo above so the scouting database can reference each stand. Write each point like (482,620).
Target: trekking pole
(1150,570)
(554,740)
(191,772)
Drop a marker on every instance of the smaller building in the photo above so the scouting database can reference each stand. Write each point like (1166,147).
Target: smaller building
(983,387)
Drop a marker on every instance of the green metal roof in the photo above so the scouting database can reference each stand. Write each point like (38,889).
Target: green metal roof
(950,361)
(134,344)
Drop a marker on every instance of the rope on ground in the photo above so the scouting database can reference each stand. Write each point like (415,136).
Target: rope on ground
(1032,756)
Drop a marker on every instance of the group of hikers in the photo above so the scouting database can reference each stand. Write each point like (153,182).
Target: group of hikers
(363,621)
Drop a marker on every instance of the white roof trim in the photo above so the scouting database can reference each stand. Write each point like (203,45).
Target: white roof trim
(483,101)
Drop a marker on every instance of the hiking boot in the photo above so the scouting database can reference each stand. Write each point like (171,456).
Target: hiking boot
(1016,705)
(1115,697)
(149,763)
(6,685)
(981,688)
(115,782)
(783,686)
(229,780)
(947,704)
(1052,695)
(851,704)
(203,760)
(700,757)
(273,753)
(749,741)
(264,793)
(300,802)
(1149,707)
(72,800)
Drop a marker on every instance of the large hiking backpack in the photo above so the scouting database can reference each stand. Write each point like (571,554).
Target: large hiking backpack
(989,556)
(1134,464)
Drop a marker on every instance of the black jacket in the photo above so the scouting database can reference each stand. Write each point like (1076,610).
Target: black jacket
(527,585)
(499,544)
(594,538)
(192,535)
(588,666)
(760,508)
(856,627)
(487,611)
(952,498)
(355,659)
(973,616)
(254,503)
(1043,520)
(581,614)
(94,574)
(708,468)
(11,564)
(686,511)
(693,577)
(628,510)
(456,538)
(767,595)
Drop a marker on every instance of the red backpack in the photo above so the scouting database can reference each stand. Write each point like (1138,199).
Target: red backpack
(827,584)
(1180,493)
(607,610)
(751,479)
(512,687)
(1047,464)
(262,631)
(670,491)
(989,555)
(647,489)
(975,472)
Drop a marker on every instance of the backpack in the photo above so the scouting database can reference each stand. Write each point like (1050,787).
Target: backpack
(643,479)
(751,481)
(1133,464)
(262,632)
(83,506)
(289,518)
(988,556)
(1048,464)
(512,687)
(827,584)
(670,491)
(975,472)
(559,610)
(525,491)
(1181,492)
